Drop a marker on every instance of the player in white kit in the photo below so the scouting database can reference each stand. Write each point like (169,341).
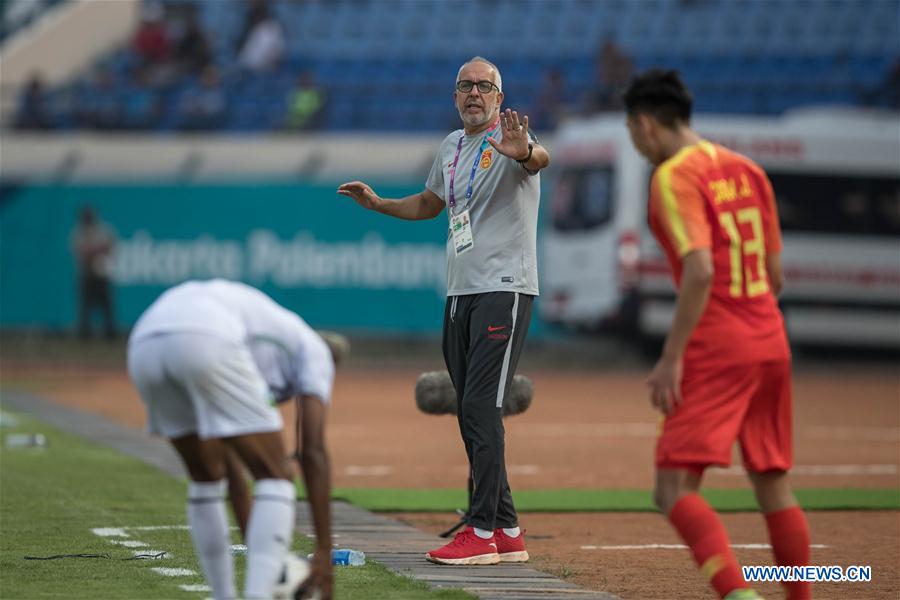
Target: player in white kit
(210,359)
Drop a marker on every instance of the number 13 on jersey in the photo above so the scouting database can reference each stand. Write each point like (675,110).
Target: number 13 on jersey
(745,252)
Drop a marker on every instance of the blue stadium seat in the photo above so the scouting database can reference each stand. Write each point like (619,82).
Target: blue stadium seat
(740,55)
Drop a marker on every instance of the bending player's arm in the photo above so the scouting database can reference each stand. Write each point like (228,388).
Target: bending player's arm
(424,205)
(315,465)
(693,293)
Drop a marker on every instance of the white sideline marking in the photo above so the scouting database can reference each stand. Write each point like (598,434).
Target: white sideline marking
(568,430)
(170,572)
(152,554)
(167,528)
(844,470)
(130,543)
(372,471)
(110,532)
(822,470)
(872,434)
(164,553)
(649,430)
(523,469)
(683,547)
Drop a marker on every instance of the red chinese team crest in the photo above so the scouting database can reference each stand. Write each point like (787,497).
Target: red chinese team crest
(487,158)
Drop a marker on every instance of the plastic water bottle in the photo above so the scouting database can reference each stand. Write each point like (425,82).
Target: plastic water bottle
(346,557)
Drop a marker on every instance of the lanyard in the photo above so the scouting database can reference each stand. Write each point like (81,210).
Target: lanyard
(484,144)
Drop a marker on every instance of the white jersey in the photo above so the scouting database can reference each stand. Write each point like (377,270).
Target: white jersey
(291,357)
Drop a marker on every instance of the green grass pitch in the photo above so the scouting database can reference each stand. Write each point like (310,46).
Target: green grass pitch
(51,499)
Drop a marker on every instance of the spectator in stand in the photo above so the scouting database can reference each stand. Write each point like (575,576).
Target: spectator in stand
(151,41)
(306,103)
(141,106)
(32,111)
(550,104)
(257,10)
(204,107)
(98,105)
(614,69)
(262,42)
(192,51)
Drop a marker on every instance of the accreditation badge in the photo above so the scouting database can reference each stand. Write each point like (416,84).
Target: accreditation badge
(461,227)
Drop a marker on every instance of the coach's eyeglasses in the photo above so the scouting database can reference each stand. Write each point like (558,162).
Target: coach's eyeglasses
(484,86)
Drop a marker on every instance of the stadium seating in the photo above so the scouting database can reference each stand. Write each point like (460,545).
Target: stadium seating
(389,64)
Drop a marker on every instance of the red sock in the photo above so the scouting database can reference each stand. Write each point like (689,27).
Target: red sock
(789,534)
(702,530)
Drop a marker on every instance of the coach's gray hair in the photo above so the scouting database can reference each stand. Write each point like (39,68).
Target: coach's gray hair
(498,81)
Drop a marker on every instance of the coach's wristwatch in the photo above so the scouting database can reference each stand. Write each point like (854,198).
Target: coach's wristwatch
(527,158)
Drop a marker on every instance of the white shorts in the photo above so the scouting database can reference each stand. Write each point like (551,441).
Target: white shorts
(198,383)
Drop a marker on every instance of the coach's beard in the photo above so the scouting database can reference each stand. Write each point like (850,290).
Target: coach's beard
(474,121)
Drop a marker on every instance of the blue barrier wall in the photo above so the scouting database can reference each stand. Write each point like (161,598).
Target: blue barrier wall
(315,252)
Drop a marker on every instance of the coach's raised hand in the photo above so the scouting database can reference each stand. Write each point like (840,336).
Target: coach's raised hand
(515,136)
(518,144)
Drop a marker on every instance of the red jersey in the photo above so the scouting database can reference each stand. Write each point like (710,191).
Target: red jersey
(707,196)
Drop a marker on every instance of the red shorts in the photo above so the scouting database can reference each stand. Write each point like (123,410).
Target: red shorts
(750,403)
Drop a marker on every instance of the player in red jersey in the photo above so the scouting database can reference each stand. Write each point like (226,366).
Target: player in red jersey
(725,370)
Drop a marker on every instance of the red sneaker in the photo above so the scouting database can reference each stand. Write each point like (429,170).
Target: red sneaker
(466,549)
(510,549)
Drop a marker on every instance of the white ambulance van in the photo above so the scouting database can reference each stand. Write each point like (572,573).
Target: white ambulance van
(836,176)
